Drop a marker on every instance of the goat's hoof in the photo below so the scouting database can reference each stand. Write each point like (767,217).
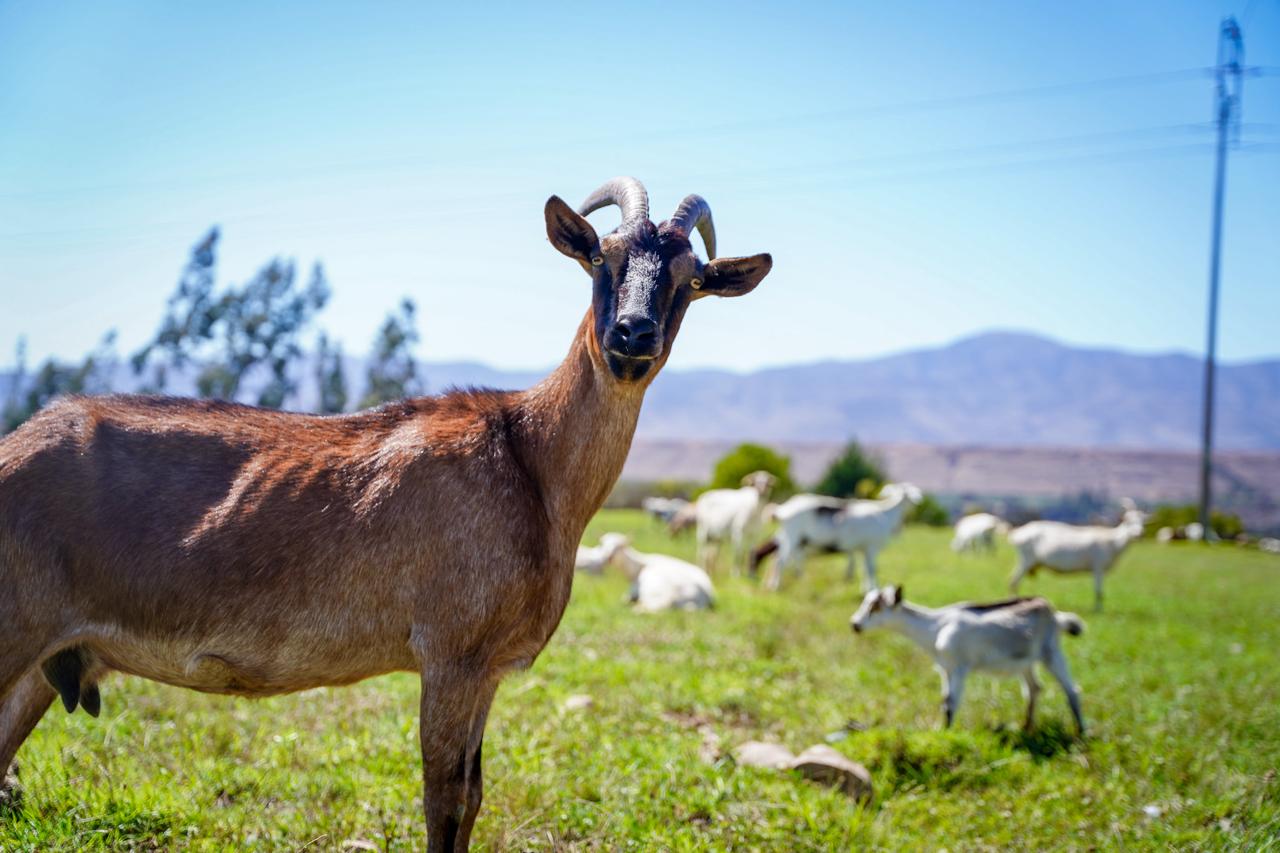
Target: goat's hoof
(10,792)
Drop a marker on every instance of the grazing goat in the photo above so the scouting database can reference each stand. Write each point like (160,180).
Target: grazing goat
(1067,548)
(977,532)
(663,509)
(1007,637)
(661,582)
(818,523)
(231,549)
(732,516)
(593,559)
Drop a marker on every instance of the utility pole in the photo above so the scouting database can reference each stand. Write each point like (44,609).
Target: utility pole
(1227,109)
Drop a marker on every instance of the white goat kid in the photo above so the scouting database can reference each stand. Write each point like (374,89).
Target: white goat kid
(593,559)
(1006,637)
(732,516)
(816,523)
(977,532)
(661,582)
(1067,548)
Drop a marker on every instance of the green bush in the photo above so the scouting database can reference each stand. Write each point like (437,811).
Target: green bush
(749,458)
(929,511)
(1225,525)
(855,473)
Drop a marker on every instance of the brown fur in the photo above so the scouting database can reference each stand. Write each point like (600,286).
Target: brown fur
(231,549)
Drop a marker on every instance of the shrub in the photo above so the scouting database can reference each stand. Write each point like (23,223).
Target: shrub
(748,458)
(855,473)
(1225,525)
(929,511)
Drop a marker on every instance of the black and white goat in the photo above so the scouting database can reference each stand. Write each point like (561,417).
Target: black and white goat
(1006,637)
(809,523)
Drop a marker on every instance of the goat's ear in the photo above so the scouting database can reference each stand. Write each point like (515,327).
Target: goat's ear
(735,276)
(570,233)
(895,596)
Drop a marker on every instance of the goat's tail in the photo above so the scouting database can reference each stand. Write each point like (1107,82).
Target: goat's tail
(1070,623)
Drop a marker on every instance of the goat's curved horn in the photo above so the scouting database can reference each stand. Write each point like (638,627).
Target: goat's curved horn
(627,193)
(694,212)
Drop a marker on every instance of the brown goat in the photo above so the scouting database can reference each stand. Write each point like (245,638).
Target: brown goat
(231,549)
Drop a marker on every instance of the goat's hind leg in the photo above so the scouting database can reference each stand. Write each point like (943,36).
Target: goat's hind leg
(20,711)
(952,693)
(1056,661)
(1019,572)
(1031,690)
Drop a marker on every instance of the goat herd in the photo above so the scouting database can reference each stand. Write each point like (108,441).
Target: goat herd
(1008,637)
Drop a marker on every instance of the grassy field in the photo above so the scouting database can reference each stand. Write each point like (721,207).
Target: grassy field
(1181,682)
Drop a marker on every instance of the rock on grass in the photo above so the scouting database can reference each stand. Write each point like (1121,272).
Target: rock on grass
(823,764)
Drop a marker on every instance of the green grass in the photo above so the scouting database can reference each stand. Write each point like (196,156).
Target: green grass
(1181,682)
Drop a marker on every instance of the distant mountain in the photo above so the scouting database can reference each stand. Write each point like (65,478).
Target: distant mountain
(993,389)
(998,388)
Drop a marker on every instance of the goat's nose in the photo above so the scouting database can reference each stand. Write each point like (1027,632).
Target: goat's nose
(636,335)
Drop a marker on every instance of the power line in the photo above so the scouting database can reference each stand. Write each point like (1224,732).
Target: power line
(844,114)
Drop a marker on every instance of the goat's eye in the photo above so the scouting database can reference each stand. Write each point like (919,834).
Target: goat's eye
(597,260)
(695,283)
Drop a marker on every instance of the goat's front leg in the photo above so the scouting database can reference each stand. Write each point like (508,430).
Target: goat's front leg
(1098,574)
(455,706)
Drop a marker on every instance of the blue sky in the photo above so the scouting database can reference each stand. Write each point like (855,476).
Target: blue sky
(410,149)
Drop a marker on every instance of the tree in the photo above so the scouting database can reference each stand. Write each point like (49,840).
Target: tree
(392,372)
(330,378)
(53,379)
(748,458)
(229,337)
(855,473)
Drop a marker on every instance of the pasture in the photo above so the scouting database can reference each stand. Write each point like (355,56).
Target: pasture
(1180,680)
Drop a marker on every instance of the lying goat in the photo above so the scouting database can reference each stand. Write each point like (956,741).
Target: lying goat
(1066,548)
(593,559)
(660,582)
(1007,637)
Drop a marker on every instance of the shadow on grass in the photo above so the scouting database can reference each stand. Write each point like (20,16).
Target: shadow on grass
(1047,739)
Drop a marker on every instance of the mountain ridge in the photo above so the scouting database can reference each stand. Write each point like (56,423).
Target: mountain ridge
(997,388)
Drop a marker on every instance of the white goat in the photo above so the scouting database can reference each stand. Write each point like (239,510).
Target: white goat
(663,509)
(1006,637)
(977,532)
(730,515)
(1066,548)
(817,523)
(661,582)
(592,560)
